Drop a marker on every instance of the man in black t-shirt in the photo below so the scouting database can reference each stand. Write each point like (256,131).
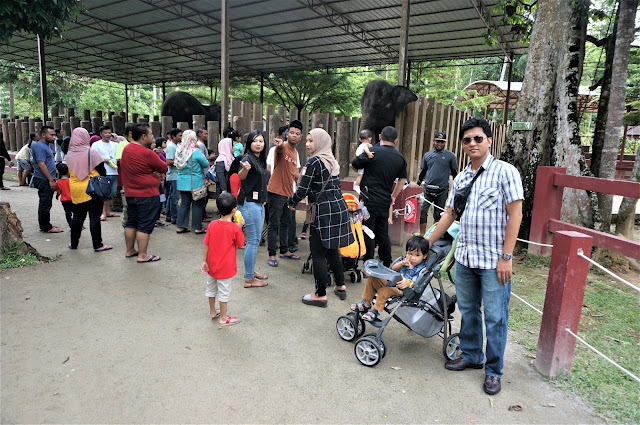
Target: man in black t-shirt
(376,187)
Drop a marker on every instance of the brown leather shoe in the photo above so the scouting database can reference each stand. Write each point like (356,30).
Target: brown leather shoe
(491,385)
(462,364)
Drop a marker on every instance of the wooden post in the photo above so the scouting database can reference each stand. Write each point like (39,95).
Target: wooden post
(342,147)
(257,112)
(257,125)
(213,128)
(563,303)
(19,137)
(246,109)
(86,125)
(547,204)
(11,125)
(183,125)
(74,122)
(236,108)
(118,124)
(414,162)
(43,78)
(198,122)
(274,123)
(241,124)
(404,43)
(167,124)
(304,118)
(96,123)
(25,132)
(156,128)
(225,33)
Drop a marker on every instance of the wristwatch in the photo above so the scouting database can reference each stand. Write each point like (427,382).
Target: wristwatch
(506,256)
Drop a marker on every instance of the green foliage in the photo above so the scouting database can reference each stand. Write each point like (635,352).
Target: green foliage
(519,14)
(45,18)
(12,258)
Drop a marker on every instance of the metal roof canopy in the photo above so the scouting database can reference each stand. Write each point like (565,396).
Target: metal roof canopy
(154,41)
(587,100)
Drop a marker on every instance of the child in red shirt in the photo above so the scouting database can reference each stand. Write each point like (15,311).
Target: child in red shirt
(64,193)
(223,237)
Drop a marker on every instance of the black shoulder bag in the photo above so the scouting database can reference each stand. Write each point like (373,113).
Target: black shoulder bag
(461,196)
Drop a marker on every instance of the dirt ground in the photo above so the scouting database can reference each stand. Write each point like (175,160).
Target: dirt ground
(97,338)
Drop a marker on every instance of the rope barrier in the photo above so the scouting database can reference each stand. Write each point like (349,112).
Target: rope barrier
(581,254)
(602,355)
(526,303)
(534,243)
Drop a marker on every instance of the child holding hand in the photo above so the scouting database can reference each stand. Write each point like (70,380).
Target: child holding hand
(223,237)
(417,249)
(63,189)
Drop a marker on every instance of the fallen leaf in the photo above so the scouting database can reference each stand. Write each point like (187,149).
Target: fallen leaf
(515,408)
(396,368)
(491,401)
(56,393)
(65,360)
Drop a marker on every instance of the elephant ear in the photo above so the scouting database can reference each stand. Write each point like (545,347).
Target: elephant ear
(402,96)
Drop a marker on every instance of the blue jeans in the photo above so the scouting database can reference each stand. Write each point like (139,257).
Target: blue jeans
(45,195)
(474,288)
(253,214)
(171,193)
(197,210)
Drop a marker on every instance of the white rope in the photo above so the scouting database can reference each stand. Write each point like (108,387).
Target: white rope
(526,303)
(534,243)
(602,355)
(581,254)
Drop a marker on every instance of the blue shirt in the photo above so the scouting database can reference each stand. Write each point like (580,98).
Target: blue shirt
(184,175)
(411,273)
(42,152)
(484,222)
(172,174)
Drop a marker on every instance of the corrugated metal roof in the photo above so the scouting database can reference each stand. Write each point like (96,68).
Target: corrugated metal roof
(138,41)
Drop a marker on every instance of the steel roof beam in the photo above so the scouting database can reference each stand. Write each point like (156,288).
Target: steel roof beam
(339,20)
(485,15)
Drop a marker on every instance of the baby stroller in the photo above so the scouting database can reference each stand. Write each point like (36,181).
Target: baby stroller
(424,309)
(350,254)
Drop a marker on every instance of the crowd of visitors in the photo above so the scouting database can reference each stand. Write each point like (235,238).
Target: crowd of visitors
(258,186)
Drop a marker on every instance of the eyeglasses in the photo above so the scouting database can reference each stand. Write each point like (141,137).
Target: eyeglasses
(477,139)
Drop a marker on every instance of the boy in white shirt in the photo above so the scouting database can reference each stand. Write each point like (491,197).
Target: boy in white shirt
(107,149)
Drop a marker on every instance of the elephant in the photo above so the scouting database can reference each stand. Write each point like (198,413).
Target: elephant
(182,107)
(380,104)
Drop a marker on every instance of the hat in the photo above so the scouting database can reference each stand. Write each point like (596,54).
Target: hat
(440,135)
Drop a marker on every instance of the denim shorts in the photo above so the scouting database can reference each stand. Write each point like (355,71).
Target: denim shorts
(142,212)
(24,165)
(113,184)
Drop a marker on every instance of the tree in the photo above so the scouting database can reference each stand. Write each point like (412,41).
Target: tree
(42,17)
(549,100)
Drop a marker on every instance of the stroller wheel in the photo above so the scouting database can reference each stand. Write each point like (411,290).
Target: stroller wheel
(353,277)
(451,348)
(368,352)
(358,275)
(347,328)
(329,283)
(383,346)
(360,321)
(305,267)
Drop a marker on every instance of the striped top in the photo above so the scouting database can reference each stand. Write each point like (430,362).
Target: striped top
(484,222)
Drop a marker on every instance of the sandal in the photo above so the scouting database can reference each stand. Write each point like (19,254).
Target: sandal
(260,276)
(135,254)
(271,263)
(360,307)
(54,229)
(183,231)
(199,232)
(254,283)
(371,315)
(217,314)
(290,257)
(151,259)
(103,248)
(231,320)
(341,293)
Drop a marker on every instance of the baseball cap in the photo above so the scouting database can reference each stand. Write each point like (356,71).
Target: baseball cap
(440,135)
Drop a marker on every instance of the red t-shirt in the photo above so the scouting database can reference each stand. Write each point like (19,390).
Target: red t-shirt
(63,190)
(222,238)
(136,167)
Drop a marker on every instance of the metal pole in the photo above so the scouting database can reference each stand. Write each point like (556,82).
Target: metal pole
(224,67)
(262,88)
(43,81)
(408,79)
(164,92)
(126,101)
(404,43)
(506,102)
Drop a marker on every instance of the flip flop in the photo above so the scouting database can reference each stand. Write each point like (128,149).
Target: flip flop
(135,254)
(151,259)
(103,248)
(54,229)
(103,218)
(183,231)
(231,320)
(199,232)
(271,263)
(71,247)
(290,257)
(254,283)
(217,314)
(260,276)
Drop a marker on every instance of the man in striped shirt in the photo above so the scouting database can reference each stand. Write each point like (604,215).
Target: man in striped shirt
(489,226)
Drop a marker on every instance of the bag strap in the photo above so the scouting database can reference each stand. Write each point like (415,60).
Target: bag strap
(89,160)
(476,177)
(191,171)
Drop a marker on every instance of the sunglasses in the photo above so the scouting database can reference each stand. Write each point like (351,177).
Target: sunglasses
(477,139)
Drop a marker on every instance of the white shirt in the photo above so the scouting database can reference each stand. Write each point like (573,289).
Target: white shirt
(107,150)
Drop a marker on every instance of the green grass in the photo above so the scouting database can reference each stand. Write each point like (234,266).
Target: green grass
(609,322)
(12,258)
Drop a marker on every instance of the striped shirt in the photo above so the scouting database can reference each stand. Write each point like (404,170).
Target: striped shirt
(484,222)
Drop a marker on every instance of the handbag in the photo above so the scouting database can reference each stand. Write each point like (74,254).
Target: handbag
(200,192)
(312,207)
(461,197)
(98,186)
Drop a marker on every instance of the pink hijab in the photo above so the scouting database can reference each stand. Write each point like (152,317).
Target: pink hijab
(78,159)
(225,152)
(93,139)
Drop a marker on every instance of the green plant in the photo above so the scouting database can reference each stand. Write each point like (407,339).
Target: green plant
(12,258)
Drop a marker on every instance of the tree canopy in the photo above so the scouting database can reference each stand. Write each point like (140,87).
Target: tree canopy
(42,17)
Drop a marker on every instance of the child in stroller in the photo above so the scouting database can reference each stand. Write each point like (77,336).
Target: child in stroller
(417,249)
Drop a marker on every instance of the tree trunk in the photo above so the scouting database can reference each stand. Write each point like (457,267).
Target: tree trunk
(627,211)
(11,232)
(619,68)
(549,100)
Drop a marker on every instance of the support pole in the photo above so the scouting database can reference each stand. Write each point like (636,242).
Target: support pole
(224,60)
(126,101)
(408,79)
(164,91)
(43,80)
(262,88)
(563,303)
(404,43)
(547,205)
(12,109)
(508,99)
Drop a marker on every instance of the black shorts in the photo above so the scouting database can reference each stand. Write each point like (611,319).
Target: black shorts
(142,213)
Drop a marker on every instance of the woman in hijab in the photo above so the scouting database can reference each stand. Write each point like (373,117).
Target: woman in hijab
(330,230)
(93,139)
(191,165)
(223,163)
(84,163)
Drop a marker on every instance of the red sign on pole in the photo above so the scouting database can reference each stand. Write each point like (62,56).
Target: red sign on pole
(410,208)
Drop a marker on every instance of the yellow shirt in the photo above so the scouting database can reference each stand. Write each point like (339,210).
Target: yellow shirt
(78,188)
